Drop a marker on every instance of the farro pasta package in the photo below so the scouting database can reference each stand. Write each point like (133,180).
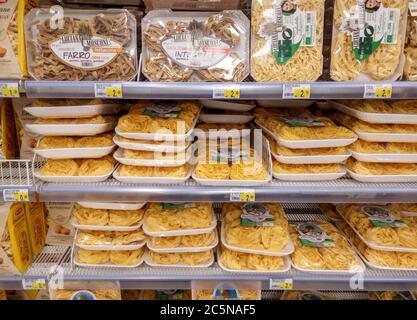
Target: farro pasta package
(287,40)
(368,40)
(410,51)
(190,46)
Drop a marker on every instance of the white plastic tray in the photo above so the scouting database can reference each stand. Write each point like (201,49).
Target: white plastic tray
(112,205)
(306,144)
(184,249)
(287,250)
(118,155)
(221,134)
(388,157)
(311,159)
(374,245)
(88,227)
(81,111)
(377,117)
(151,264)
(109,247)
(387,137)
(110,265)
(287,267)
(227,105)
(351,272)
(382,178)
(172,233)
(225,118)
(151,180)
(309,176)
(374,266)
(75,153)
(70,129)
(285,103)
(71,179)
(169,148)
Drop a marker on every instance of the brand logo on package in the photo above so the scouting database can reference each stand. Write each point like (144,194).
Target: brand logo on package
(83,295)
(195,49)
(383,218)
(256,215)
(312,235)
(85,50)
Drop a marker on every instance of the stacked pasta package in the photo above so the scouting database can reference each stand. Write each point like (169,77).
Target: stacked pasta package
(180,234)
(155,142)
(368,40)
(387,147)
(73,149)
(305,146)
(410,66)
(254,238)
(108,235)
(385,237)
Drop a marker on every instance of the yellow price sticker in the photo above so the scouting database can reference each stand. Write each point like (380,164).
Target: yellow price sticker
(37,284)
(383,92)
(247,196)
(114,92)
(281,284)
(10,91)
(21,196)
(302,92)
(242,195)
(232,93)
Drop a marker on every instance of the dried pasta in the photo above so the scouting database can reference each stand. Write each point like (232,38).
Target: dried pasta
(186,258)
(211,294)
(330,211)
(363,146)
(372,168)
(138,171)
(275,58)
(279,168)
(95,257)
(198,240)
(92,120)
(410,51)
(99,294)
(381,106)
(94,238)
(284,151)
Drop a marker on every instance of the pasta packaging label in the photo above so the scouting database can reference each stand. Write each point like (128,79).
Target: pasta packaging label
(256,215)
(162,110)
(288,29)
(83,295)
(371,25)
(302,120)
(383,218)
(312,235)
(168,206)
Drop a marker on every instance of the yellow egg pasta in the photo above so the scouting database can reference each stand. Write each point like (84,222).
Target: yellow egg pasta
(198,240)
(363,146)
(186,258)
(283,168)
(372,168)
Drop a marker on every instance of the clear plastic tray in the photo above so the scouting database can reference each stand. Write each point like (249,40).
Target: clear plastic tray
(382,178)
(172,233)
(169,148)
(287,267)
(227,105)
(88,227)
(112,205)
(389,157)
(70,129)
(377,117)
(151,180)
(306,144)
(109,265)
(311,159)
(109,247)
(151,264)
(81,111)
(285,103)
(374,245)
(184,249)
(74,153)
(118,155)
(287,250)
(351,272)
(309,176)
(374,266)
(225,118)
(387,137)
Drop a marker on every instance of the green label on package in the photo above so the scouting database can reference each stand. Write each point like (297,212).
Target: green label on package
(162,111)
(370,26)
(288,28)
(302,120)
(312,235)
(256,215)
(382,217)
(178,205)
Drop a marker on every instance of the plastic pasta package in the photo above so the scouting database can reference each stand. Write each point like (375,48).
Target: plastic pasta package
(184,216)
(304,295)
(206,127)
(368,40)
(381,106)
(57,142)
(278,167)
(160,117)
(190,46)
(198,240)
(320,246)
(255,226)
(65,102)
(410,51)
(78,167)
(99,119)
(330,211)
(186,258)
(150,155)
(284,151)
(373,168)
(83,45)
(381,225)
(138,171)
(405,207)
(225,294)
(117,238)
(86,294)
(363,146)
(102,217)
(287,40)
(166,295)
(122,258)
(193,4)
(235,260)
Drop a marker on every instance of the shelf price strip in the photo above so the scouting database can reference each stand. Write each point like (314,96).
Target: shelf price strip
(226,91)
(108,90)
(296,91)
(242,195)
(281,284)
(34,284)
(9,90)
(378,91)
(16,195)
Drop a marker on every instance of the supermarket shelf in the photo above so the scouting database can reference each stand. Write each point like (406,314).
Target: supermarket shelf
(338,191)
(204,90)
(17,174)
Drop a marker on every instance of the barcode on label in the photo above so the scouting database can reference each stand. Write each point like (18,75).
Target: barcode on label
(16,195)
(308,17)
(226,91)
(37,284)
(378,91)
(391,15)
(108,90)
